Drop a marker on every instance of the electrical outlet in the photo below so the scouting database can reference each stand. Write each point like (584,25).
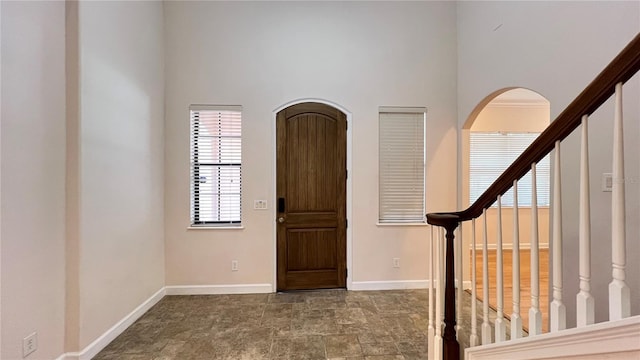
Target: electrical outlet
(607,182)
(29,344)
(260,204)
(396,262)
(234,265)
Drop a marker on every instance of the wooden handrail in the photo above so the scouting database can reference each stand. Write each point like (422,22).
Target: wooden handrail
(620,70)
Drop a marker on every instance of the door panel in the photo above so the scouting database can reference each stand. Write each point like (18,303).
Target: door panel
(310,249)
(311,178)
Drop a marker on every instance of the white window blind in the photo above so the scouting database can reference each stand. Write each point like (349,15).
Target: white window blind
(401,168)
(491,153)
(216,164)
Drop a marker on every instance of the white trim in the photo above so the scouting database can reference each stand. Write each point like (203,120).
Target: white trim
(108,336)
(396,285)
(383,224)
(239,227)
(349,184)
(402,109)
(69,356)
(350,269)
(520,207)
(101,342)
(1,167)
(389,285)
(218,289)
(206,107)
(604,339)
(517,104)
(523,246)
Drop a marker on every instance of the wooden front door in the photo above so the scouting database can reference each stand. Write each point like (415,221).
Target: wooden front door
(311,197)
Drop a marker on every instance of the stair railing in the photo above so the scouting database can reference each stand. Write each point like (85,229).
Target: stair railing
(608,83)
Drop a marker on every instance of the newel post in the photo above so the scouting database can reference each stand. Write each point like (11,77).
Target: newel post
(450,346)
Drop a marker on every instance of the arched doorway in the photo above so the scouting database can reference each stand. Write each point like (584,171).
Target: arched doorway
(495,134)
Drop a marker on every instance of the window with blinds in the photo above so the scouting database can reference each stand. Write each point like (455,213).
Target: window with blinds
(401,165)
(216,165)
(491,153)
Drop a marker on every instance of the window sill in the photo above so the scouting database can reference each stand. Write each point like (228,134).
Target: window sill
(395,224)
(208,227)
(520,207)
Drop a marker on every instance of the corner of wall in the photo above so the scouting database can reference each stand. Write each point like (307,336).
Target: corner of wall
(72,270)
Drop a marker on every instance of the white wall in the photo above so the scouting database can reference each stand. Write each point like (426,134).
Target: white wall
(0,175)
(516,118)
(33,172)
(556,49)
(120,161)
(263,55)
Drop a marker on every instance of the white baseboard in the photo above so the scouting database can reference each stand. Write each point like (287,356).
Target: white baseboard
(101,342)
(218,289)
(609,340)
(389,285)
(68,356)
(523,246)
(396,285)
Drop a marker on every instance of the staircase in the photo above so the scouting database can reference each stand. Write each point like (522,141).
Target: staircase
(618,337)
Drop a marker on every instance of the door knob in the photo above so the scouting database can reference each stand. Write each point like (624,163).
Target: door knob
(281,220)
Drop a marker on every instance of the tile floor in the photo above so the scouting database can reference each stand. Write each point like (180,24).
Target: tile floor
(329,324)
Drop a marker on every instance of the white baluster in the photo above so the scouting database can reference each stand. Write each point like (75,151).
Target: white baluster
(437,349)
(443,273)
(535,316)
(619,294)
(430,329)
(585,304)
(473,339)
(460,278)
(486,327)
(516,319)
(500,325)
(558,311)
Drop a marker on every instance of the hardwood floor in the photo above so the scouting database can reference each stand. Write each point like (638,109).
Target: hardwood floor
(525,283)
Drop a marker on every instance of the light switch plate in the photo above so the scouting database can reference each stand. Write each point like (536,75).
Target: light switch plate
(260,204)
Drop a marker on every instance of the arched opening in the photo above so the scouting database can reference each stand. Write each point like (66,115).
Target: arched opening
(499,129)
